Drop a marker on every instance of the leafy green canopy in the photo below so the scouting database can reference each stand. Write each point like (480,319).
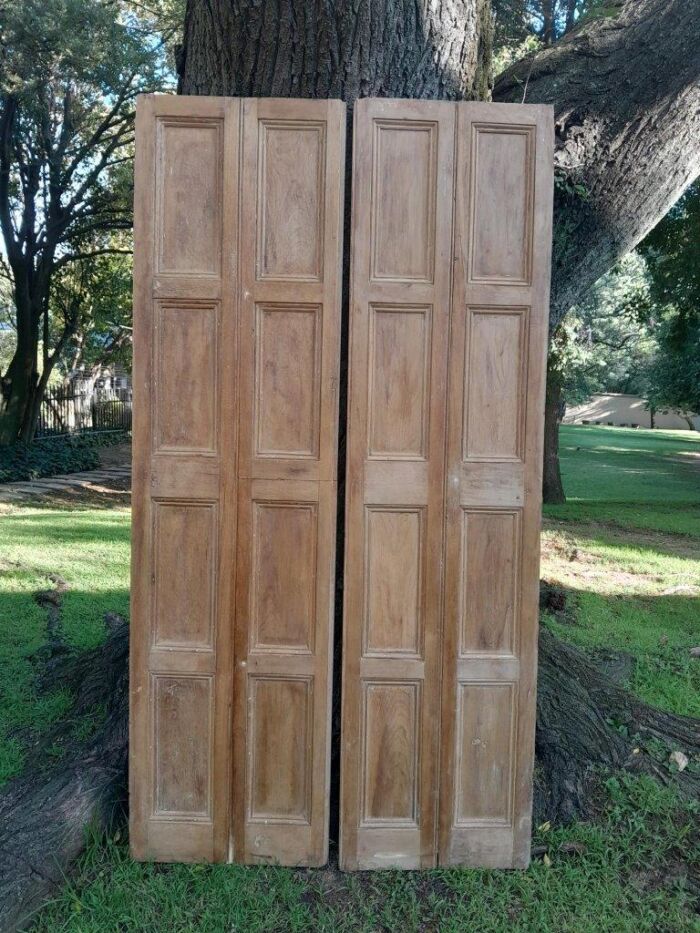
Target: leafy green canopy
(672,254)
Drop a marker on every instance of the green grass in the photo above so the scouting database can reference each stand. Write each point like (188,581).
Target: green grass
(633,479)
(89,549)
(625,549)
(624,876)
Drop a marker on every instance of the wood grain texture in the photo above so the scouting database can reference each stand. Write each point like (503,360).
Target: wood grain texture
(443,487)
(292,157)
(399,315)
(503,198)
(237,295)
(186,191)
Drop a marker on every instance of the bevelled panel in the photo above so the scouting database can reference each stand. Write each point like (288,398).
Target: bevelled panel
(184,546)
(188,197)
(494,384)
(284,542)
(287,381)
(503,173)
(183,723)
(483,785)
(398,388)
(280,729)
(404,187)
(185,377)
(393,577)
(291,179)
(391,753)
(490,549)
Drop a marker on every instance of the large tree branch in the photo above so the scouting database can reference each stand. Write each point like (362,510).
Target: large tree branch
(626,93)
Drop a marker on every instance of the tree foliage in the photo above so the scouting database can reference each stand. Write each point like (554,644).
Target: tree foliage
(672,254)
(70,71)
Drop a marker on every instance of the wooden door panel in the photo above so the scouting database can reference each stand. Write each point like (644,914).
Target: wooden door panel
(237,310)
(443,485)
(291,243)
(400,293)
(503,190)
(184,431)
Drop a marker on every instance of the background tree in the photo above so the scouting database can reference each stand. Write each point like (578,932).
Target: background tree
(624,82)
(672,254)
(70,71)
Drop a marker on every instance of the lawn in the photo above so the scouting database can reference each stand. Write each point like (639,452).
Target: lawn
(625,552)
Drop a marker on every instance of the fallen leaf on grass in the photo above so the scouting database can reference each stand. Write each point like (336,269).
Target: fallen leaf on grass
(679,759)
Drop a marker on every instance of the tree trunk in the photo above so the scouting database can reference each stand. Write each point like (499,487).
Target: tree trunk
(46,811)
(292,48)
(552,486)
(625,86)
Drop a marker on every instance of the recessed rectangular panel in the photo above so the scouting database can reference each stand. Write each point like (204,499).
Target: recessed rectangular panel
(291,179)
(184,555)
(288,378)
(399,382)
(494,388)
(483,785)
(182,745)
(503,171)
(280,736)
(189,166)
(284,576)
(490,554)
(185,377)
(404,186)
(391,752)
(393,581)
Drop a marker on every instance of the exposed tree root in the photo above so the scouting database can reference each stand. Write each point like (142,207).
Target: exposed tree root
(585,722)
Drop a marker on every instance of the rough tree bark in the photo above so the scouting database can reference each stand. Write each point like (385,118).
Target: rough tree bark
(626,93)
(552,485)
(45,812)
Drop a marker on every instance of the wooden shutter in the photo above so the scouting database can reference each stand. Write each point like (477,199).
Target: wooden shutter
(498,343)
(401,240)
(291,247)
(236,315)
(467,482)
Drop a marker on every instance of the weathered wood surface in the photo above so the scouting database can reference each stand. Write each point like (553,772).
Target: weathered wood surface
(236,352)
(446,390)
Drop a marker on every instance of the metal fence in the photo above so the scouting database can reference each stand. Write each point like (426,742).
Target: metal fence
(66,411)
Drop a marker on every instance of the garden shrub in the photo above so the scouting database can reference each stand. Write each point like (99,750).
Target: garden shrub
(49,456)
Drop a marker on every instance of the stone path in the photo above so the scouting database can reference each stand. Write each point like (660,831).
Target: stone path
(94,479)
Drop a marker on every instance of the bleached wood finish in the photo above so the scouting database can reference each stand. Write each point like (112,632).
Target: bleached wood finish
(400,280)
(185,203)
(236,344)
(443,491)
(293,154)
(498,341)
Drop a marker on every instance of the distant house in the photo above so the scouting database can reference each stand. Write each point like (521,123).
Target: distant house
(109,381)
(628,411)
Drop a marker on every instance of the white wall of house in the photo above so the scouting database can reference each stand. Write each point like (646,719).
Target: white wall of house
(628,411)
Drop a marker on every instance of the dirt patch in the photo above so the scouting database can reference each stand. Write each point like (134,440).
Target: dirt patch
(674,545)
(111,493)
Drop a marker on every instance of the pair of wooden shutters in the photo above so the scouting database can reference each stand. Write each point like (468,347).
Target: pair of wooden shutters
(238,252)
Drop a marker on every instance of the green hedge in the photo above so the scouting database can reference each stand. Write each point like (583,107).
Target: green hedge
(51,455)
